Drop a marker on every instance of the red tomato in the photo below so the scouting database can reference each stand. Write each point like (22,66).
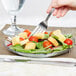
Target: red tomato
(21,39)
(47,43)
(33,38)
(28,32)
(45,32)
(50,33)
(9,44)
(68,41)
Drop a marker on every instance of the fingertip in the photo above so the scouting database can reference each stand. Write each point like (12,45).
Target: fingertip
(62,15)
(47,12)
(65,11)
(54,14)
(49,9)
(57,16)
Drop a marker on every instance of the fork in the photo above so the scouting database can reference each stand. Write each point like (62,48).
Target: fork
(42,25)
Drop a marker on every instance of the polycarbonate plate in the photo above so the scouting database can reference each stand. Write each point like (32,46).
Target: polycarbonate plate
(36,55)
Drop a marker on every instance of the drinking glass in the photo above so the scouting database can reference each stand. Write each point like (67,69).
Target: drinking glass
(13,7)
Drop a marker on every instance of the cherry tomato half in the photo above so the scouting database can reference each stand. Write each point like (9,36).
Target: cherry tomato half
(33,38)
(68,41)
(45,32)
(21,39)
(46,44)
(28,32)
(50,33)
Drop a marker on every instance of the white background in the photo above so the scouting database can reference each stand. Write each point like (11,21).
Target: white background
(34,11)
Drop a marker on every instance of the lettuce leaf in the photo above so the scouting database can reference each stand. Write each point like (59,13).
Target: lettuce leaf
(54,36)
(68,35)
(46,36)
(39,45)
(60,48)
(65,46)
(42,51)
(19,48)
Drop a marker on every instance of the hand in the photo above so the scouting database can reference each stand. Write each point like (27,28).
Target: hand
(62,7)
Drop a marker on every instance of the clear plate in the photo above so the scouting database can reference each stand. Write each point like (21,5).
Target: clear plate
(36,55)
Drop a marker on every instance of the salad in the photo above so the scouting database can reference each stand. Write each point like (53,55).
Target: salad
(41,43)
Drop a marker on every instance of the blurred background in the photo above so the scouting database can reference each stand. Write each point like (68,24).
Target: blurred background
(34,11)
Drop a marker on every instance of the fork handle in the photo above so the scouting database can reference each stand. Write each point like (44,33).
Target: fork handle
(49,14)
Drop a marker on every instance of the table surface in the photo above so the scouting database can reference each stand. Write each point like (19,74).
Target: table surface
(71,54)
(25,69)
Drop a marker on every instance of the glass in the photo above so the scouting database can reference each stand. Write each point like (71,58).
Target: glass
(13,7)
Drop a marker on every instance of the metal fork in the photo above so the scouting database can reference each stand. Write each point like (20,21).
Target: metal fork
(42,25)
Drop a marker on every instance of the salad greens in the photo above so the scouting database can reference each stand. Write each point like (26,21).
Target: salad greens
(54,37)
(68,35)
(39,45)
(46,36)
(58,49)
(40,49)
(19,48)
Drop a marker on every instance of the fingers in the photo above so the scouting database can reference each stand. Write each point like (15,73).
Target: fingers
(60,12)
(55,12)
(49,9)
(65,11)
(58,4)
(54,2)
(58,15)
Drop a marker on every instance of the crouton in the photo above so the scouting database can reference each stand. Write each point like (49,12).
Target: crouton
(59,35)
(39,35)
(24,42)
(15,40)
(23,35)
(30,45)
(53,41)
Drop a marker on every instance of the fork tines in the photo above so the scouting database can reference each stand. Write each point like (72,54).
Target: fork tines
(43,25)
(40,28)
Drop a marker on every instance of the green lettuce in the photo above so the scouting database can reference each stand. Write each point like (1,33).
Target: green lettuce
(68,35)
(60,48)
(46,36)
(19,48)
(39,45)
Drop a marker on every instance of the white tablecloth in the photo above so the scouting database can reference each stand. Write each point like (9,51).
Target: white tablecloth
(27,69)
(23,69)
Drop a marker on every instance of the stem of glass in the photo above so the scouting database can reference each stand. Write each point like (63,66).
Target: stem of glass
(13,25)
(13,21)
(13,29)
